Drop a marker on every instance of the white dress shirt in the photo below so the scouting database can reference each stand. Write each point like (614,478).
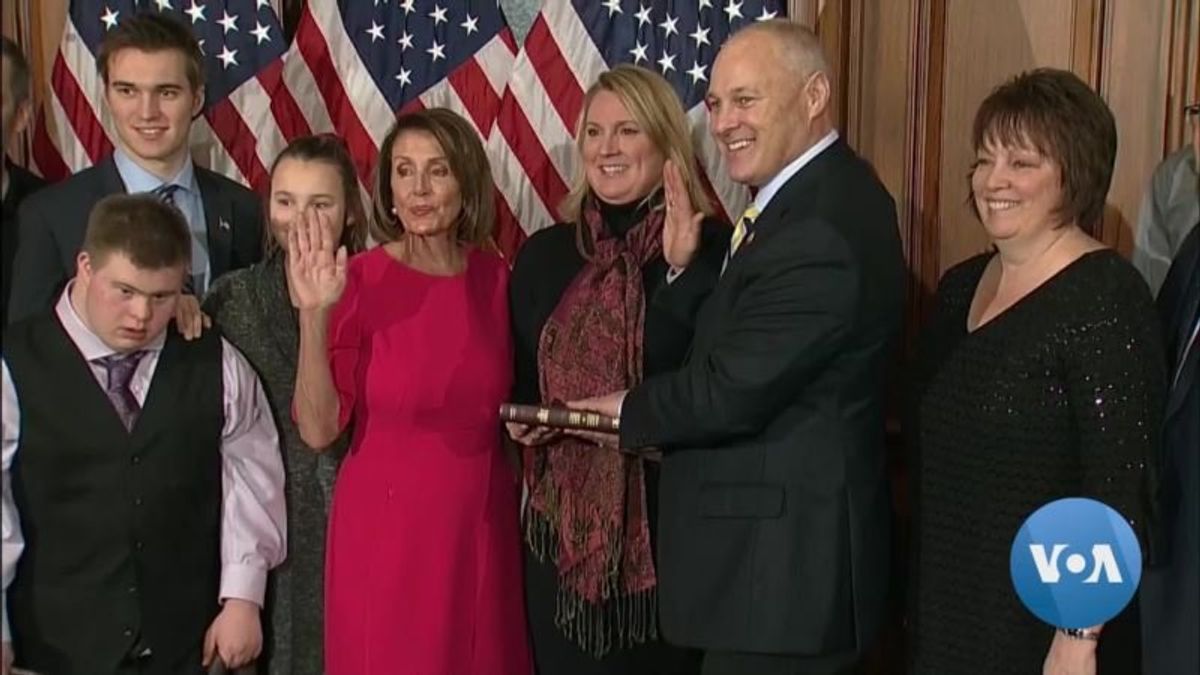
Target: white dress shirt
(253,517)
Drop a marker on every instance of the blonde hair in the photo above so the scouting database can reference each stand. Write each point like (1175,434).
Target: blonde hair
(657,110)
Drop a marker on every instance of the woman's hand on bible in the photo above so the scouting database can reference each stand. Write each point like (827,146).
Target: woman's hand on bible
(530,435)
(681,228)
(316,265)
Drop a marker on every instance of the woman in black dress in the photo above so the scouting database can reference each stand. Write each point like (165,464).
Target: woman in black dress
(599,302)
(253,310)
(1041,377)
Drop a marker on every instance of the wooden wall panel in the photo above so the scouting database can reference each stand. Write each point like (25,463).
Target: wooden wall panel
(1133,80)
(986,43)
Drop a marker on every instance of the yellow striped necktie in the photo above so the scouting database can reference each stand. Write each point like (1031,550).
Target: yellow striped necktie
(743,226)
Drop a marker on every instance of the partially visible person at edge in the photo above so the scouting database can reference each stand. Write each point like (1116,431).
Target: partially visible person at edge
(16,109)
(596,307)
(773,504)
(146,503)
(153,75)
(1170,207)
(1170,590)
(410,341)
(253,309)
(1040,376)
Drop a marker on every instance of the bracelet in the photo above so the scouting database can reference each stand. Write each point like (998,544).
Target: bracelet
(1081,633)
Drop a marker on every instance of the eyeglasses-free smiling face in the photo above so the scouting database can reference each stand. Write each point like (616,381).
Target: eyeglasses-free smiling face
(1017,190)
(152,104)
(757,113)
(622,163)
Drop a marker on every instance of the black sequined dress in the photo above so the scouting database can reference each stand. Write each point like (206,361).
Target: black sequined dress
(1061,395)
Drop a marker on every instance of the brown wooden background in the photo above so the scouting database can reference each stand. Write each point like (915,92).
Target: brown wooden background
(909,75)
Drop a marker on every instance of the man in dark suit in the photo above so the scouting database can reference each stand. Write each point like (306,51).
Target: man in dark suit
(153,76)
(773,507)
(1170,592)
(15,183)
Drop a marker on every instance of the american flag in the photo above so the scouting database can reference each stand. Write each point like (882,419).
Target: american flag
(570,43)
(354,64)
(351,67)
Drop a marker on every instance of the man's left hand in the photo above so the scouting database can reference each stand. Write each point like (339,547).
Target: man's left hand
(189,319)
(235,635)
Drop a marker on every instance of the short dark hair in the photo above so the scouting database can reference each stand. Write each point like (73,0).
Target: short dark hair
(153,32)
(153,235)
(468,162)
(18,67)
(331,149)
(1066,121)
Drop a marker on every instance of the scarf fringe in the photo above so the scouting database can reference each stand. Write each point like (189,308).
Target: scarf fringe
(618,621)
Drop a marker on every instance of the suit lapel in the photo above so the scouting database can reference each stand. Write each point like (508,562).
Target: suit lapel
(218,218)
(110,179)
(796,194)
(1180,302)
(1189,372)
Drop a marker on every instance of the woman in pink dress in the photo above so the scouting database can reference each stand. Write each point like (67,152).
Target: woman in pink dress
(410,341)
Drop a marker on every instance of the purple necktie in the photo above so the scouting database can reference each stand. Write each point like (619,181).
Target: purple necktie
(119,369)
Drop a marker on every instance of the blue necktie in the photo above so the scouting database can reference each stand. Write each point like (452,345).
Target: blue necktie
(166,194)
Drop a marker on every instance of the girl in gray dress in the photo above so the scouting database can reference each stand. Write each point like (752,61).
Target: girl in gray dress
(253,309)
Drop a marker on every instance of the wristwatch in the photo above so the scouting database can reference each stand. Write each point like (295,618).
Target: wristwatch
(1081,633)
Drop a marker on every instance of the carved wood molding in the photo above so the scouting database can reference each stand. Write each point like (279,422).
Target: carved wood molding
(923,150)
(1183,70)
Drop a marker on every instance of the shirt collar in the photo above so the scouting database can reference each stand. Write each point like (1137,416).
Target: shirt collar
(89,344)
(764,196)
(137,179)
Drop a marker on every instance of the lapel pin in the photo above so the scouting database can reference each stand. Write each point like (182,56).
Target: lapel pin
(224,224)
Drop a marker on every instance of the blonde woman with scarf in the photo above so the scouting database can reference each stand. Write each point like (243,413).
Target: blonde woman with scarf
(597,306)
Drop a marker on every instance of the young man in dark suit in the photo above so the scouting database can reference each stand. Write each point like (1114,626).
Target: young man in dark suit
(773,506)
(143,484)
(15,183)
(153,75)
